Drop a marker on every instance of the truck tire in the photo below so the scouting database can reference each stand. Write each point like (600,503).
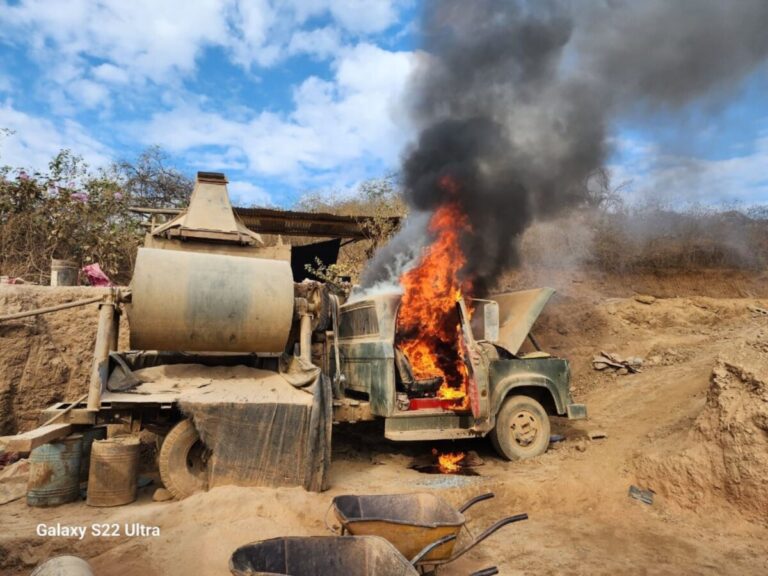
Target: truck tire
(183,461)
(522,429)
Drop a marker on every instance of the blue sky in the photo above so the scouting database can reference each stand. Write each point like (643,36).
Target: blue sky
(292,96)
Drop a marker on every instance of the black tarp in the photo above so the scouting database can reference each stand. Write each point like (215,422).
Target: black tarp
(326,252)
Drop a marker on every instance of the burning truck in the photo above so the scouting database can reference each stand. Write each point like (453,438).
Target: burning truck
(241,372)
(438,364)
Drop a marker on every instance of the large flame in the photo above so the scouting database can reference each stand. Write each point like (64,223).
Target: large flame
(450,463)
(428,326)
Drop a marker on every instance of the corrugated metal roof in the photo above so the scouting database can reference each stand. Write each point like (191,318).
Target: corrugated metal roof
(292,223)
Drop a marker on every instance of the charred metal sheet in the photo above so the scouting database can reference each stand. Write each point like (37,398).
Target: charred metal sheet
(194,301)
(518,311)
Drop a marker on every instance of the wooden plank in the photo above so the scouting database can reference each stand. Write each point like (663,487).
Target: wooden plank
(28,441)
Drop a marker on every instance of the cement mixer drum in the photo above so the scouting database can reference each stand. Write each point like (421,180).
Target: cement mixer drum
(207,302)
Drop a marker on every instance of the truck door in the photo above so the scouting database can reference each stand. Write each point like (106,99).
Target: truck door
(477,387)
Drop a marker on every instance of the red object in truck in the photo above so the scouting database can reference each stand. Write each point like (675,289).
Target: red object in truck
(430,403)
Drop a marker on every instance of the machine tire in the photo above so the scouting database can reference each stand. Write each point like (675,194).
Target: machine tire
(183,462)
(522,429)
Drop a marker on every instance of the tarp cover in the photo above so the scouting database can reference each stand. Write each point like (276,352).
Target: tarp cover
(269,442)
(263,428)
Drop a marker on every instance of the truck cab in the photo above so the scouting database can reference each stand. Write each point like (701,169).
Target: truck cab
(511,396)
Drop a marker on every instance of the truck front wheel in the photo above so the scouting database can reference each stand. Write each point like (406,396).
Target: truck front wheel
(522,429)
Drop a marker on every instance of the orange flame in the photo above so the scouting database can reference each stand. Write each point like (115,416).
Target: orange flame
(428,326)
(449,463)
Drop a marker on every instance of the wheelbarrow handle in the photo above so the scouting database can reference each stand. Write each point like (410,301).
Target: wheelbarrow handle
(469,503)
(500,524)
(492,571)
(429,547)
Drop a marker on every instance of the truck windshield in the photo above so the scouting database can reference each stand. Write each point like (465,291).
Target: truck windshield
(358,322)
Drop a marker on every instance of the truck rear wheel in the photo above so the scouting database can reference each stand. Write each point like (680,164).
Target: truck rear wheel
(522,429)
(183,461)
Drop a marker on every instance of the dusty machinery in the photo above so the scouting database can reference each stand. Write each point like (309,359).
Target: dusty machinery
(207,294)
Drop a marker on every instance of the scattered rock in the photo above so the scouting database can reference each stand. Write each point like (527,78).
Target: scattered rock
(645,299)
(645,496)
(597,435)
(162,495)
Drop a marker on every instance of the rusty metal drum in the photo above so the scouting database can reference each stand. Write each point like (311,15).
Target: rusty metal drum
(113,471)
(54,472)
(63,566)
(89,435)
(205,302)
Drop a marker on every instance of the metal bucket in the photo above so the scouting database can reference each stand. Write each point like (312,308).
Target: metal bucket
(113,471)
(63,566)
(63,273)
(95,433)
(54,472)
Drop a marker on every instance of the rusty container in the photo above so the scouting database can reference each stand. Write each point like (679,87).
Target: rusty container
(54,472)
(63,273)
(113,472)
(63,566)
(95,433)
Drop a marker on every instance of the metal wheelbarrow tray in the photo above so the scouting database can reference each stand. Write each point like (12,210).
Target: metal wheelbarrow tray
(412,521)
(328,556)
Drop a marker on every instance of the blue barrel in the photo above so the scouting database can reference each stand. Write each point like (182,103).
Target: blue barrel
(54,472)
(89,435)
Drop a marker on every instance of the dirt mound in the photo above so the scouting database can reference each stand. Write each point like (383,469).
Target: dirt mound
(725,454)
(43,359)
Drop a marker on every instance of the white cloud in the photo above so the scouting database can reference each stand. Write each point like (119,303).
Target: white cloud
(111,74)
(322,43)
(679,180)
(6,84)
(87,93)
(245,193)
(37,140)
(161,40)
(356,16)
(335,126)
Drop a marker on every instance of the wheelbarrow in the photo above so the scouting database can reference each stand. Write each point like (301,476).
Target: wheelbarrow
(329,556)
(412,521)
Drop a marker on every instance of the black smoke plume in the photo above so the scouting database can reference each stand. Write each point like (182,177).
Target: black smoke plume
(515,99)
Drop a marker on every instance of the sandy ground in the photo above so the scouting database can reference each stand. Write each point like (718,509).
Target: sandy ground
(693,426)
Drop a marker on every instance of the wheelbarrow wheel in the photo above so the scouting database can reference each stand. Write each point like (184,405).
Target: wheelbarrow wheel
(522,429)
(183,461)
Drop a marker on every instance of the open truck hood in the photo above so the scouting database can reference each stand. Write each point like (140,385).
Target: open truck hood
(518,312)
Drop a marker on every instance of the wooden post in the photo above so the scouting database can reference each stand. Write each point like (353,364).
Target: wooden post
(106,339)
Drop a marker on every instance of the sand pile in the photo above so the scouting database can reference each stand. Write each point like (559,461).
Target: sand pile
(725,454)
